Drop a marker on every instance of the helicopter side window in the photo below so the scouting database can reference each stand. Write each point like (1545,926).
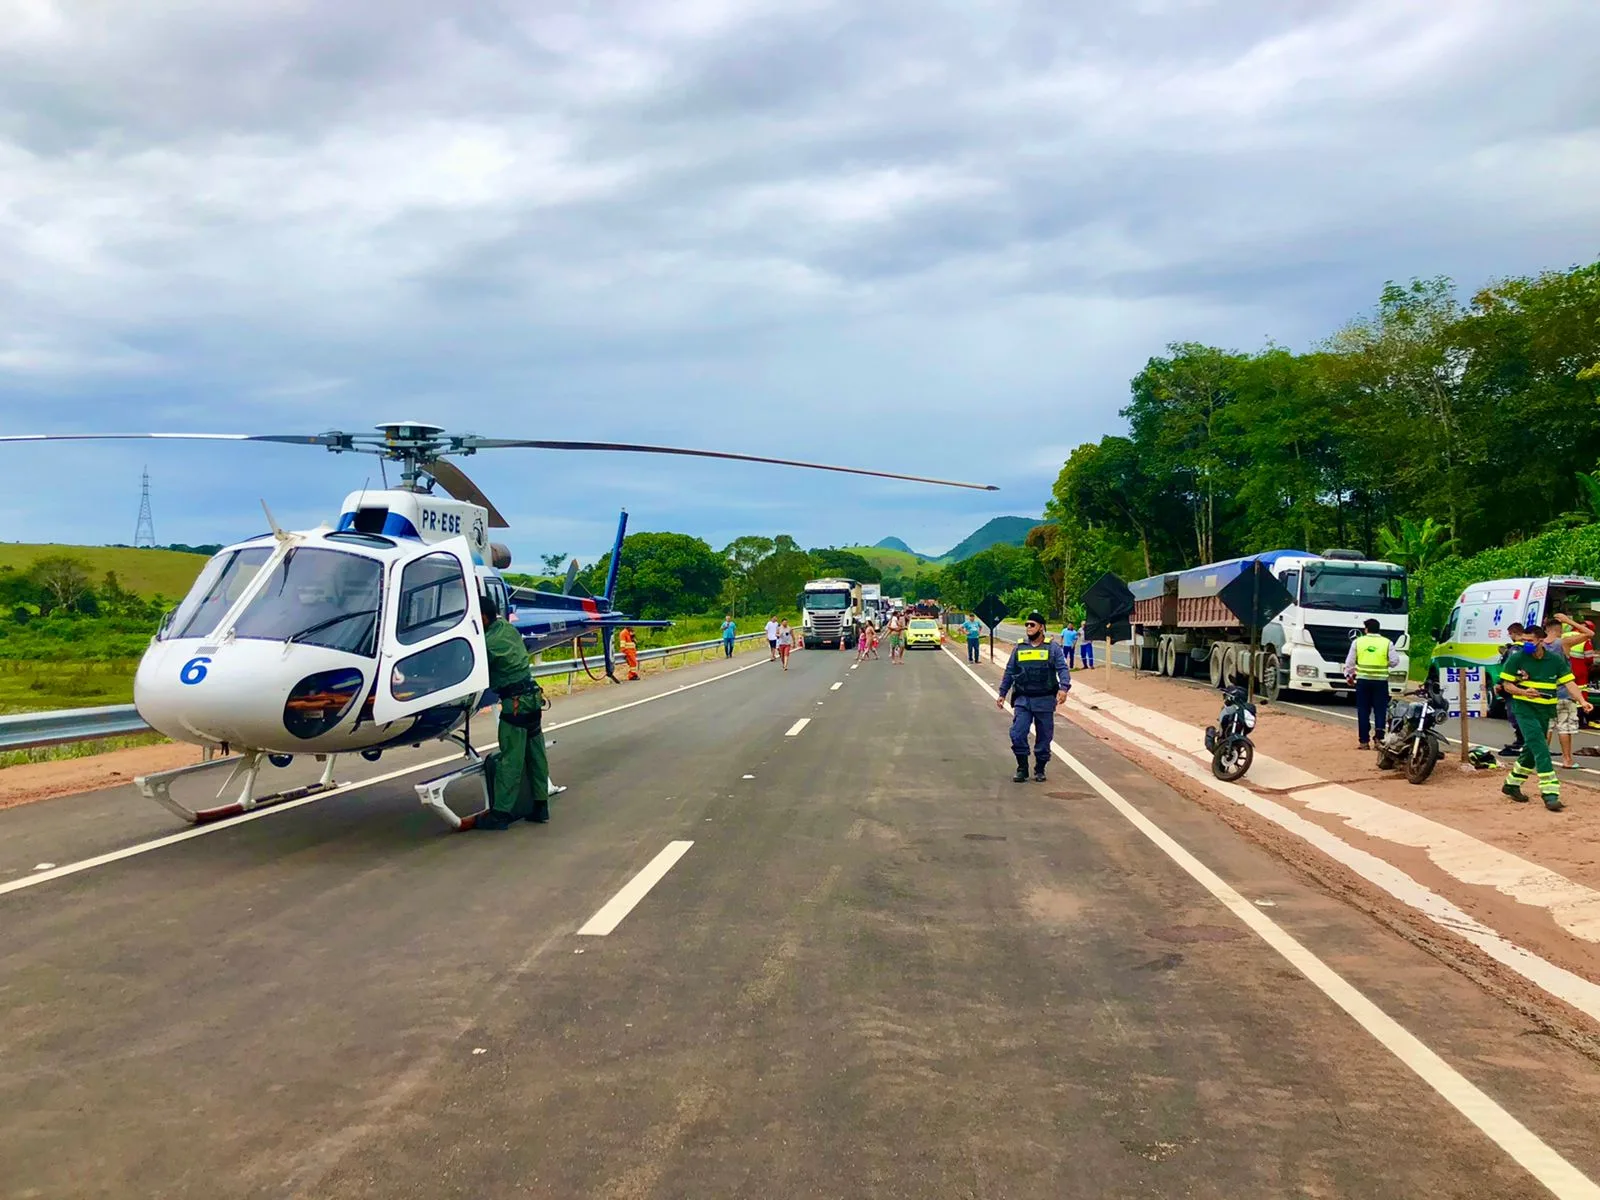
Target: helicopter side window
(431,670)
(433,598)
(220,585)
(318,598)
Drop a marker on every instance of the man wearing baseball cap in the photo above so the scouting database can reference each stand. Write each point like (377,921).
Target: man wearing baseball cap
(1039,679)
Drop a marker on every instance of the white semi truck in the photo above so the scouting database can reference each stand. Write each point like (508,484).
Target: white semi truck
(1180,625)
(872,603)
(829,612)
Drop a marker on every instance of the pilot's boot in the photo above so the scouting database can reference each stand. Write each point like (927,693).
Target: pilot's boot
(1022,769)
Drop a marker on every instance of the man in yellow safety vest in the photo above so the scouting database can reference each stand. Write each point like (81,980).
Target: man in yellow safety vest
(1372,656)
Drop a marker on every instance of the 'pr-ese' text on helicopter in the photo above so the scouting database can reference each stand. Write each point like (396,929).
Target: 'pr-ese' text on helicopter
(364,635)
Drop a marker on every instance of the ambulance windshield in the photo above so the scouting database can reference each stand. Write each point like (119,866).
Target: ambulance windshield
(1353,589)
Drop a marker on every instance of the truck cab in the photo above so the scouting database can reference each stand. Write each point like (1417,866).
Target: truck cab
(830,610)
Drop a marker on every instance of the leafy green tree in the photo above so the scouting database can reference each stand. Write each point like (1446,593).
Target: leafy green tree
(846,564)
(777,580)
(741,555)
(1415,545)
(64,582)
(666,575)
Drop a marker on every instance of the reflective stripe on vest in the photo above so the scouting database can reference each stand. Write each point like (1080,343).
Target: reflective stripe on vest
(1372,656)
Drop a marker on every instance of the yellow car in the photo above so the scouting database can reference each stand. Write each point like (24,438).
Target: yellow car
(923,632)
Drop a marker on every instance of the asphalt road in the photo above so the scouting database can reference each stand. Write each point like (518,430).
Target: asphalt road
(880,969)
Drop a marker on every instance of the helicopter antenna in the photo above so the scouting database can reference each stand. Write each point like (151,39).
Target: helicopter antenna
(384,472)
(277,530)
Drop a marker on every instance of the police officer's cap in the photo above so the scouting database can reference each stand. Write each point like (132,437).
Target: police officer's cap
(1036,617)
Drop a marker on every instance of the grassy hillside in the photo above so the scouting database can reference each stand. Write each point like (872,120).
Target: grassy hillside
(883,558)
(1008,531)
(145,572)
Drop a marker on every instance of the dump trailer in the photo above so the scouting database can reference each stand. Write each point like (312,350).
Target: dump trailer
(1181,625)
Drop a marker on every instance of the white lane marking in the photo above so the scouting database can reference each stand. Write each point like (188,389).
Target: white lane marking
(749,776)
(635,890)
(43,866)
(853,666)
(1555,1173)
(794,730)
(836,687)
(101,860)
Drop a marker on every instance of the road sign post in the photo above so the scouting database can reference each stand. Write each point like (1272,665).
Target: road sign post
(991,610)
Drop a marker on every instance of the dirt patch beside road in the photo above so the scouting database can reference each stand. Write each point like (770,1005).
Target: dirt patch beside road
(27,782)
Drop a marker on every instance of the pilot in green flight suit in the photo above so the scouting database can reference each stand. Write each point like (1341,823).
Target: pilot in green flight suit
(521,772)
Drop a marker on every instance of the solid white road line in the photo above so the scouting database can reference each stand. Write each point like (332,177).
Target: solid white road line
(101,860)
(1554,1172)
(635,890)
(794,730)
(836,687)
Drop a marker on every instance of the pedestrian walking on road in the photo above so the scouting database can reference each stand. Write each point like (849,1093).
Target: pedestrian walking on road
(1533,679)
(521,772)
(772,639)
(785,643)
(897,639)
(1039,679)
(729,631)
(1372,656)
(973,628)
(1069,641)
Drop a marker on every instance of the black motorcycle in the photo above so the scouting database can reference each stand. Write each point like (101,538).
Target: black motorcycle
(1412,737)
(1232,751)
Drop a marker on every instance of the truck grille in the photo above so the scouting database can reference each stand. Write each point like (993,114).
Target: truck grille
(1333,641)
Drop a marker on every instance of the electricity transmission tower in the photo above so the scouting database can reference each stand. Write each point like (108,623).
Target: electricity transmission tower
(144,533)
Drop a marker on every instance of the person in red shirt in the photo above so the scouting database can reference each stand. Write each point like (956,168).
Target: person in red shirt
(1577,642)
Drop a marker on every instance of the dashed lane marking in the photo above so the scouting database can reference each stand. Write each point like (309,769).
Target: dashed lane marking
(837,686)
(101,860)
(794,730)
(1553,1171)
(636,889)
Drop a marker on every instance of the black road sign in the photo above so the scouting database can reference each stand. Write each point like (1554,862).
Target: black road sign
(991,611)
(1107,606)
(1255,596)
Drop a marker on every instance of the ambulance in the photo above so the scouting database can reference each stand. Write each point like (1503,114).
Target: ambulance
(1475,631)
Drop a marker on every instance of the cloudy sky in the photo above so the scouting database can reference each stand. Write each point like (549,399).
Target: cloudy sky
(924,235)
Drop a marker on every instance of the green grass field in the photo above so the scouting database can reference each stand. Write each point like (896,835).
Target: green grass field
(145,572)
(32,687)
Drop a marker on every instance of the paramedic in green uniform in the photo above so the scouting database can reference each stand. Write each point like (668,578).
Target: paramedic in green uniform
(521,772)
(1531,676)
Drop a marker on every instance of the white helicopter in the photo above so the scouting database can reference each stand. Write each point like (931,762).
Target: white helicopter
(363,635)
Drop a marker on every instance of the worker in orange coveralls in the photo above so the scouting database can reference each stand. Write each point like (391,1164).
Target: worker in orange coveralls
(630,651)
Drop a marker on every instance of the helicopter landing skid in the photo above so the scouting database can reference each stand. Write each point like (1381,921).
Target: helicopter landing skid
(431,793)
(158,787)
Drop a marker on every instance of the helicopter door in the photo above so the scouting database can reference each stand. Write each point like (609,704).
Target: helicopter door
(433,650)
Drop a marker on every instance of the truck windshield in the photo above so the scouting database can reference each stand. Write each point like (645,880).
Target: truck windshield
(1349,590)
(827,600)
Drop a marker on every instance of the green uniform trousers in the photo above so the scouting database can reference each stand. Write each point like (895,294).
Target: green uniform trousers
(521,772)
(1534,722)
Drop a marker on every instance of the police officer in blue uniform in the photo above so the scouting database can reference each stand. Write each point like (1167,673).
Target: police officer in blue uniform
(1039,679)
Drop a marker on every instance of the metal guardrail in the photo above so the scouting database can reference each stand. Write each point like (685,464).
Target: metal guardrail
(25,731)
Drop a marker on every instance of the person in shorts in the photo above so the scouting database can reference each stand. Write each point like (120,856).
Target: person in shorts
(1565,637)
(772,639)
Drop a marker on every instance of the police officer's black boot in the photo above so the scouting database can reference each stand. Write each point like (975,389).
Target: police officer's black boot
(1022,769)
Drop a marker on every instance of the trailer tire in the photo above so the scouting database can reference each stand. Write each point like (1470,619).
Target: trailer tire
(1164,658)
(1216,663)
(1180,664)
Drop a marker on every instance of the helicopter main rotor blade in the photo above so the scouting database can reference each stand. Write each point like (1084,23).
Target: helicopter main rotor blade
(291,439)
(478,443)
(454,480)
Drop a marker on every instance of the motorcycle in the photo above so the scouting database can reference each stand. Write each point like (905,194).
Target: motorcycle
(1232,751)
(1412,736)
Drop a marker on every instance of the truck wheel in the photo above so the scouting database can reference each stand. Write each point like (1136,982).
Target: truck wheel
(1215,662)
(1180,664)
(1271,688)
(1164,658)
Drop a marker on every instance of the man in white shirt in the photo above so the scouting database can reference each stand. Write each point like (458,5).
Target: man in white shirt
(772,638)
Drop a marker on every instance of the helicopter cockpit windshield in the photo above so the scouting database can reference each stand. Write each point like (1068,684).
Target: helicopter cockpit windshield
(318,598)
(222,581)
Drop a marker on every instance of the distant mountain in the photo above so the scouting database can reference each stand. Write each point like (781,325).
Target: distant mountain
(1001,531)
(894,543)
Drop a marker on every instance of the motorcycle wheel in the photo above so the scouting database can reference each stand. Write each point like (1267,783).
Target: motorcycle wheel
(1425,753)
(1232,758)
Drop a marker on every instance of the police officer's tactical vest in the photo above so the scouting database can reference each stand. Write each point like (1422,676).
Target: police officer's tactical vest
(1035,675)
(1372,656)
